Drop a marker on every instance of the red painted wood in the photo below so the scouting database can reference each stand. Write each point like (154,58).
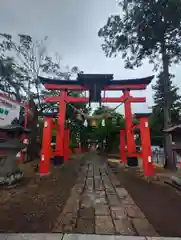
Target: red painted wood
(130,142)
(137,126)
(104,100)
(81,88)
(146,147)
(55,126)
(122,146)
(61,122)
(46,146)
(78,150)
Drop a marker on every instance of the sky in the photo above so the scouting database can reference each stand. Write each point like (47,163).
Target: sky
(72,29)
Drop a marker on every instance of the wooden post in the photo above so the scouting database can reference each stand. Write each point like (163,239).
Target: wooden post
(46,146)
(122,146)
(130,142)
(146,147)
(60,129)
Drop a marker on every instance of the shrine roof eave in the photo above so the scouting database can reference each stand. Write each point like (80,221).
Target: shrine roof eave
(15,129)
(136,81)
(50,114)
(173,129)
(140,115)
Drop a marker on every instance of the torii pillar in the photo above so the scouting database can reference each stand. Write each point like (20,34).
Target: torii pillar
(130,142)
(46,146)
(60,131)
(146,145)
(122,146)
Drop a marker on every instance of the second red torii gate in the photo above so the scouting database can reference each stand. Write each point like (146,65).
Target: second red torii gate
(90,82)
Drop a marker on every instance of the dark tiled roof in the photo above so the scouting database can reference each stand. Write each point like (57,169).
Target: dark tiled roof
(49,114)
(14,128)
(139,115)
(100,77)
(176,128)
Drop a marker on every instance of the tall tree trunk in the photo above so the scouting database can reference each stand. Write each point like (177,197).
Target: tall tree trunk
(170,162)
(33,148)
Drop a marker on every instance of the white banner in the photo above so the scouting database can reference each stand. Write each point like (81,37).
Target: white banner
(9,110)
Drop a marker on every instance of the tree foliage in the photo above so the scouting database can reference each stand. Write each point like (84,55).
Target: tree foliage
(157,117)
(147,30)
(173,97)
(144,29)
(32,59)
(22,61)
(110,132)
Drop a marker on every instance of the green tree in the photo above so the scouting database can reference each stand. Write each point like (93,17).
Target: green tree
(147,29)
(157,117)
(19,75)
(12,79)
(32,58)
(174,100)
(76,125)
(110,132)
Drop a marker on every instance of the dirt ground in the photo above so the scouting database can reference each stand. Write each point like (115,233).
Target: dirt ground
(35,204)
(160,203)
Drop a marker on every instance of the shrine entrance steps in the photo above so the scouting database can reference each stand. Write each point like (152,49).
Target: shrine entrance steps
(99,205)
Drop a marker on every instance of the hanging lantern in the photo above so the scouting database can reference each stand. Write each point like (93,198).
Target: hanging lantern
(114,121)
(94,124)
(79,117)
(103,123)
(85,123)
(54,120)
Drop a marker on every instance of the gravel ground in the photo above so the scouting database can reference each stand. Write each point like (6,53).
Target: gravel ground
(160,203)
(35,204)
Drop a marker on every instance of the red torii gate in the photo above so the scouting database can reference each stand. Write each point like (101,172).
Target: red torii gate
(95,83)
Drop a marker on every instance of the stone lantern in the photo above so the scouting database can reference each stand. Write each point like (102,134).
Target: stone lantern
(10,145)
(175,132)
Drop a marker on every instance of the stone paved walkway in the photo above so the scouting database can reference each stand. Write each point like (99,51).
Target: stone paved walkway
(48,236)
(98,204)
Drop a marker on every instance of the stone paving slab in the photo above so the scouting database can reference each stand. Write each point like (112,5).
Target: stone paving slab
(102,210)
(104,225)
(85,225)
(143,227)
(124,227)
(99,237)
(163,238)
(50,236)
(106,237)
(99,204)
(29,236)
